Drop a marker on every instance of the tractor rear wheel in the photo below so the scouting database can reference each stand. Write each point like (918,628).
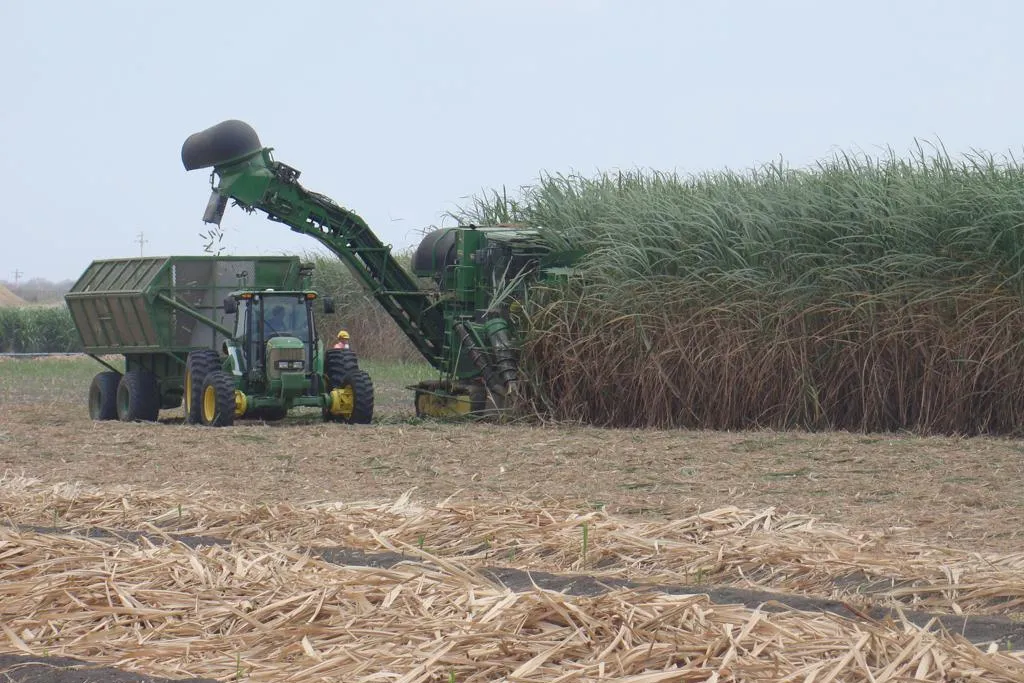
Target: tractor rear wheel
(351,398)
(103,396)
(339,363)
(218,404)
(138,397)
(198,365)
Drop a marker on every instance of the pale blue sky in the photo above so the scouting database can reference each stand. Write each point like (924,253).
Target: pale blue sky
(399,110)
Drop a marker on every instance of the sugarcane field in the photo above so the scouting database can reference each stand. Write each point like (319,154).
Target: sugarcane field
(535,342)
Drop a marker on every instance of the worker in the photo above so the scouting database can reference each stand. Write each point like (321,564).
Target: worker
(342,342)
(275,324)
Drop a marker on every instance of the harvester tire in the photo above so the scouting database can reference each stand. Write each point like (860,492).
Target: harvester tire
(103,396)
(198,365)
(218,400)
(339,363)
(138,397)
(359,382)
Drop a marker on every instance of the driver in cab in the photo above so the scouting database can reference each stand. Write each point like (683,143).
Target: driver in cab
(276,323)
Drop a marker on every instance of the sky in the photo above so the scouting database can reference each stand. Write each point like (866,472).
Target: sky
(402,110)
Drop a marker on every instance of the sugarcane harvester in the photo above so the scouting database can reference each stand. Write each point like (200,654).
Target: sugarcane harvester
(461,325)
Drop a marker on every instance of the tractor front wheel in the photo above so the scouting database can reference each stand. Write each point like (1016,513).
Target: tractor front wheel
(138,397)
(218,404)
(103,396)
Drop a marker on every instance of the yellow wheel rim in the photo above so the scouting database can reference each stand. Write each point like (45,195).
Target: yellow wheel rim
(241,403)
(343,402)
(188,392)
(210,404)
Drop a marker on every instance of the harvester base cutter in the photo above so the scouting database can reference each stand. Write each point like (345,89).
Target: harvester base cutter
(452,399)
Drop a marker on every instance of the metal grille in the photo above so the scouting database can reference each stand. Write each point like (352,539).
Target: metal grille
(283,354)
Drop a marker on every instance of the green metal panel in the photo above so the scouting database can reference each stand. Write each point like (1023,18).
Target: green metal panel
(116,304)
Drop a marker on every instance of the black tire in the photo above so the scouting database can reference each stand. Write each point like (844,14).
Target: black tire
(138,397)
(218,402)
(362,385)
(170,401)
(271,414)
(103,396)
(197,367)
(338,364)
(362,400)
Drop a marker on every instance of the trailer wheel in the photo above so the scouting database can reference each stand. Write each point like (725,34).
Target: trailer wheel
(103,396)
(351,398)
(339,363)
(138,397)
(198,365)
(218,404)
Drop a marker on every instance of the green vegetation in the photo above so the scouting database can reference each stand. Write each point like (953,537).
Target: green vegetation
(37,330)
(865,294)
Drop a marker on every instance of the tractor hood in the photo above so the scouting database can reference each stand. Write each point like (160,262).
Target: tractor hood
(228,141)
(284,343)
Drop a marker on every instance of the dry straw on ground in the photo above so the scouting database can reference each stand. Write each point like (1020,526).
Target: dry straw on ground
(743,548)
(265,609)
(271,614)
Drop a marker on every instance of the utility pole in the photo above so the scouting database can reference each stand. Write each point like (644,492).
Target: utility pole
(141,240)
(17,276)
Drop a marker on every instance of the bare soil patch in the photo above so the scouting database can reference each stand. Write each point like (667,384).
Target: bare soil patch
(964,493)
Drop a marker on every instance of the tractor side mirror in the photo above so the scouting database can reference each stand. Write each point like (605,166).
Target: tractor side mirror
(328,305)
(230,305)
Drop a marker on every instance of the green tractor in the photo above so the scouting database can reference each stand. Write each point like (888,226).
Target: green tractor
(255,355)
(272,363)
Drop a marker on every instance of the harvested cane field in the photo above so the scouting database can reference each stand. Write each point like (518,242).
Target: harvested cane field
(868,294)
(427,551)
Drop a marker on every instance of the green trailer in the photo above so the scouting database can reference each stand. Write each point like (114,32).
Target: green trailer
(199,330)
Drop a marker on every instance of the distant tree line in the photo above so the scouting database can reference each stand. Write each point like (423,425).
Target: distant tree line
(39,290)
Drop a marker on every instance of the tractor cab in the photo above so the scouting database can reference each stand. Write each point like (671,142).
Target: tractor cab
(274,335)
